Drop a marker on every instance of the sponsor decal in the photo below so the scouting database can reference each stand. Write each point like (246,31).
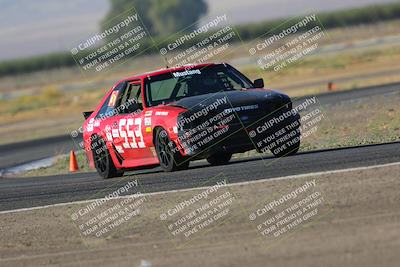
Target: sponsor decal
(148,129)
(147,121)
(148,113)
(185,73)
(241,108)
(109,136)
(89,126)
(161,113)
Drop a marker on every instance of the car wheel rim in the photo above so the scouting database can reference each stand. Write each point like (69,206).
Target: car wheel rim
(101,159)
(164,151)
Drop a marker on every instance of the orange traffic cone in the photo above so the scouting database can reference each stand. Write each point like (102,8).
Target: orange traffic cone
(73,164)
(331,86)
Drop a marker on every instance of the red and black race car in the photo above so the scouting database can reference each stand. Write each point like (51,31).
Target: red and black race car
(172,116)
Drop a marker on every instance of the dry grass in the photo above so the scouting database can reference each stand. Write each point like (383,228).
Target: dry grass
(367,121)
(51,102)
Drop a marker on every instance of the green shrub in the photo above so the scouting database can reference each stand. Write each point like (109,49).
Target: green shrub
(341,18)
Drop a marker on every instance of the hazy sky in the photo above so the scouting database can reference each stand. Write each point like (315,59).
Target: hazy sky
(32,27)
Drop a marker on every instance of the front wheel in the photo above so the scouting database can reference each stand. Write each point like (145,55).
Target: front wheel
(169,157)
(102,160)
(219,159)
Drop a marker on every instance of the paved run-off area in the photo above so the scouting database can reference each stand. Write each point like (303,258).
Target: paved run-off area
(355,223)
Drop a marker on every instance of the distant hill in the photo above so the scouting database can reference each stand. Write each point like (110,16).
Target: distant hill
(244,11)
(32,27)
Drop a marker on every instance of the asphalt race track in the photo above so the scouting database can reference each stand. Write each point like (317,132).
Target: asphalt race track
(18,193)
(23,152)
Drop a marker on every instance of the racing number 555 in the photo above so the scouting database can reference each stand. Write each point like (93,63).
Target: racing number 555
(127,134)
(126,129)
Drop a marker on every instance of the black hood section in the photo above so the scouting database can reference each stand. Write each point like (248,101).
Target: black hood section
(228,99)
(248,105)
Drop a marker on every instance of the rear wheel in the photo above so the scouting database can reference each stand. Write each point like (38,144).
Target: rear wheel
(102,159)
(169,157)
(219,159)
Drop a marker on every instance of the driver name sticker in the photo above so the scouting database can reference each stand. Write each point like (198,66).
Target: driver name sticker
(186,72)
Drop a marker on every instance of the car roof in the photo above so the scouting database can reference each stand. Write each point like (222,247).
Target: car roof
(167,70)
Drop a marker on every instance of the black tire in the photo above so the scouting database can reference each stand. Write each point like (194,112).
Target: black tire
(170,159)
(219,159)
(102,160)
(290,149)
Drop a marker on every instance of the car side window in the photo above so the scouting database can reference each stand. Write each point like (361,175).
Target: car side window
(108,109)
(136,93)
(130,99)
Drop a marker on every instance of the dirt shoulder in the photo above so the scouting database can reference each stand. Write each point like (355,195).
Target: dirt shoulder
(356,224)
(369,120)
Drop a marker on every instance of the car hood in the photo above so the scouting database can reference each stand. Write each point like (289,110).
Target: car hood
(228,99)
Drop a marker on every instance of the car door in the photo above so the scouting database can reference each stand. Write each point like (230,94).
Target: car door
(128,127)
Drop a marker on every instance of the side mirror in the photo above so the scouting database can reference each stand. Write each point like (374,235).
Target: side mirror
(86,114)
(259,83)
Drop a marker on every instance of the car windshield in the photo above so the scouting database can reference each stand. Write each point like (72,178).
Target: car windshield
(170,87)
